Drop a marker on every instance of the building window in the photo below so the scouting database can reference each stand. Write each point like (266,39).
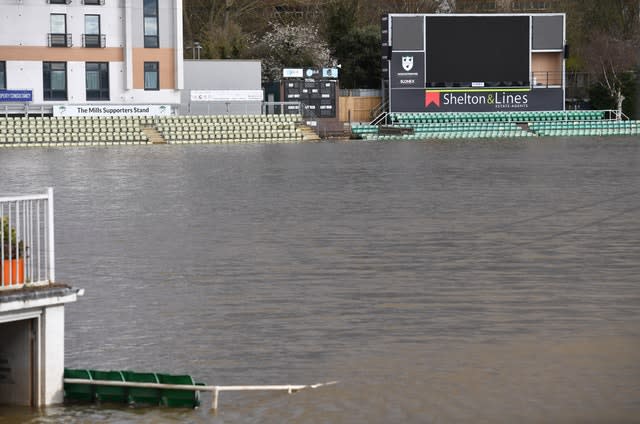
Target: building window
(54,80)
(58,36)
(58,23)
(151,23)
(59,1)
(97,75)
(3,75)
(92,36)
(151,77)
(93,2)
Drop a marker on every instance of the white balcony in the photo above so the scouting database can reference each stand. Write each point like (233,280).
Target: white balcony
(27,233)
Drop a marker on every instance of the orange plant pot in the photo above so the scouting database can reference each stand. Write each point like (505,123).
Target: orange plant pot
(13,272)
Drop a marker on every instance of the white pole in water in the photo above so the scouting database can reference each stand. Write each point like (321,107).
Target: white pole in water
(290,388)
(52,244)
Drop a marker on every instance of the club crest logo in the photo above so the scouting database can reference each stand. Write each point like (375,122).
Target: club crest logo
(407,63)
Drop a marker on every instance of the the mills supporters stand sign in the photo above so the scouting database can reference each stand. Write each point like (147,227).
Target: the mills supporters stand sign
(476,100)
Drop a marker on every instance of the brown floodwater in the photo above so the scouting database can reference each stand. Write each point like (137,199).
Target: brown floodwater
(484,281)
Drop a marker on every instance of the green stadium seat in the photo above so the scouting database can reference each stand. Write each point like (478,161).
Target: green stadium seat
(116,394)
(77,391)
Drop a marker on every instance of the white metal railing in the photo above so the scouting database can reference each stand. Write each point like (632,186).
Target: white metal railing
(289,388)
(27,250)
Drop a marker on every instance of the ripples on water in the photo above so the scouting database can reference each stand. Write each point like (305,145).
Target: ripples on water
(439,282)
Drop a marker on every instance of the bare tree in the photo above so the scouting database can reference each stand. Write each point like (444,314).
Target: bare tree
(291,46)
(608,41)
(611,58)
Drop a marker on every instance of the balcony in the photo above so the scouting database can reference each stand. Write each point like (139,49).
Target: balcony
(60,40)
(547,79)
(94,40)
(27,234)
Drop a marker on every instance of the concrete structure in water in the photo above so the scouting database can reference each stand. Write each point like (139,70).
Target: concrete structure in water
(31,303)
(32,348)
(106,52)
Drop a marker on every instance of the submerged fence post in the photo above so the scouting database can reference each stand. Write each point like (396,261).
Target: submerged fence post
(214,400)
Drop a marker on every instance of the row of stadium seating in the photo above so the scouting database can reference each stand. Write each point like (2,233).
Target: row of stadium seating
(81,391)
(451,135)
(201,119)
(586,128)
(518,116)
(74,121)
(445,130)
(79,139)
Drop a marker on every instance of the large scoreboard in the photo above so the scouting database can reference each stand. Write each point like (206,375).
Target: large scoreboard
(480,62)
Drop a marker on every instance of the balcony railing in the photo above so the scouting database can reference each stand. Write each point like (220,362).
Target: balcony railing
(546,79)
(27,250)
(60,40)
(94,40)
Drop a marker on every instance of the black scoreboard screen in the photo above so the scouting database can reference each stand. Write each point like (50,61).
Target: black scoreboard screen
(461,50)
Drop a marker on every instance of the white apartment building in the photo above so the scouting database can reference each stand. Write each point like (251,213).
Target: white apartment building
(78,52)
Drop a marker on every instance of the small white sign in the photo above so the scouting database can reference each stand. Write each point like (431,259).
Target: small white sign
(227,95)
(329,72)
(477,84)
(111,110)
(292,73)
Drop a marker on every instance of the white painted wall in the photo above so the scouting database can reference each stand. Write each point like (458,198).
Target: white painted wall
(52,359)
(28,23)
(25,75)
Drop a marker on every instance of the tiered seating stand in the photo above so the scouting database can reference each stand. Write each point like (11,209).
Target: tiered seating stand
(103,131)
(71,131)
(230,129)
(451,125)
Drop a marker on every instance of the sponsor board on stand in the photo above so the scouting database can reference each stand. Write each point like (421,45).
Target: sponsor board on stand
(476,100)
(517,98)
(111,110)
(226,95)
(18,96)
(292,73)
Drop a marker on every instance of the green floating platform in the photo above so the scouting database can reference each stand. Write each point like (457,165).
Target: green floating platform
(82,392)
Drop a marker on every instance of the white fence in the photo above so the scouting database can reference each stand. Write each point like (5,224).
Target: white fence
(27,233)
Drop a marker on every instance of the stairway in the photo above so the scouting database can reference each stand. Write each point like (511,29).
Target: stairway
(308,134)
(154,136)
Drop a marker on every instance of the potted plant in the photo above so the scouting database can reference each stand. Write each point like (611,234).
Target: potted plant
(13,251)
